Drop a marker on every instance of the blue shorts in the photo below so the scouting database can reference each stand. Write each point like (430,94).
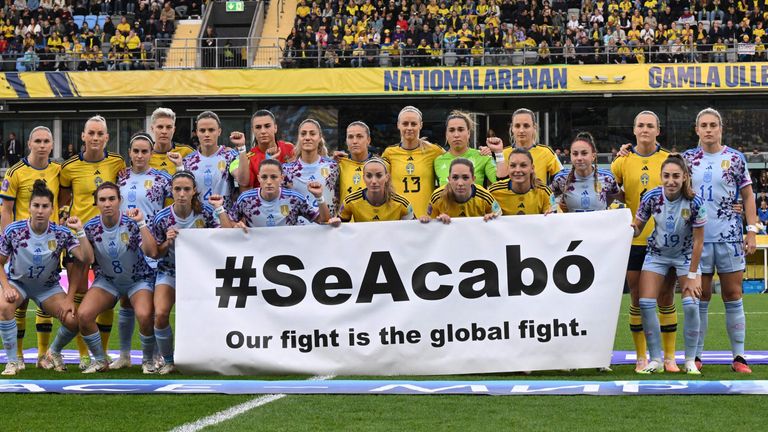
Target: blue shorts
(662,265)
(723,258)
(165,279)
(37,294)
(122,290)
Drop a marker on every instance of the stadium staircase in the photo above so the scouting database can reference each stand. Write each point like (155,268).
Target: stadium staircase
(277,25)
(183,51)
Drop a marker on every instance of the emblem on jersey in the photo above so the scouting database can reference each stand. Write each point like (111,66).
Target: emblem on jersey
(132,194)
(325,172)
(410,168)
(98,181)
(208,178)
(52,245)
(112,250)
(148,184)
(708,174)
(670,223)
(222,165)
(284,209)
(685,213)
(644,179)
(585,200)
(599,187)
(199,223)
(725,164)
(124,237)
(6,185)
(37,257)
(355,179)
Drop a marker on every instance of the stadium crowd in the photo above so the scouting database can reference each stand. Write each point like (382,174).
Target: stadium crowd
(361,33)
(60,35)
(106,225)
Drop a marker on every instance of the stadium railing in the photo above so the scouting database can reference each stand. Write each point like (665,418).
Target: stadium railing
(228,53)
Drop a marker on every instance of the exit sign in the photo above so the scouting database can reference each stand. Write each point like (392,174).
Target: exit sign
(235,6)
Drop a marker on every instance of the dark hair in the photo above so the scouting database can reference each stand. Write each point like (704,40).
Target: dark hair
(197,205)
(208,115)
(40,189)
(448,192)
(587,138)
(263,113)
(141,136)
(105,185)
(677,159)
(273,162)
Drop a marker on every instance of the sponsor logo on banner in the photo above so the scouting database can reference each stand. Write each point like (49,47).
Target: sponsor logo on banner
(516,293)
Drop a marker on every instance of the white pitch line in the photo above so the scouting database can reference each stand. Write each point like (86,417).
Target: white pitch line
(236,410)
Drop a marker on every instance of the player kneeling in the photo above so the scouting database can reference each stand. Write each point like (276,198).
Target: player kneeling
(34,248)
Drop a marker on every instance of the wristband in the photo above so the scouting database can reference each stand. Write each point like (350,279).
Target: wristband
(218,210)
(241,149)
(692,275)
(80,234)
(180,168)
(320,200)
(499,157)
(752,229)
(142,224)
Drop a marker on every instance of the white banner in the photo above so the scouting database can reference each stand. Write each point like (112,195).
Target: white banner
(514,294)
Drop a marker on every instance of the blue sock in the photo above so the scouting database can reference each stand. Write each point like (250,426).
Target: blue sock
(94,344)
(63,337)
(147,347)
(126,320)
(8,332)
(703,324)
(691,327)
(736,324)
(651,326)
(164,338)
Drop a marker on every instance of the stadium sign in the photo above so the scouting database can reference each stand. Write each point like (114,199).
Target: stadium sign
(517,293)
(364,82)
(388,387)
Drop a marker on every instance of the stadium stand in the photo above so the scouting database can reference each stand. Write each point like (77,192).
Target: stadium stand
(516,32)
(87,34)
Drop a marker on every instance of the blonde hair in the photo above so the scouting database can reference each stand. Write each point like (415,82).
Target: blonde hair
(162,113)
(98,119)
(321,149)
(422,143)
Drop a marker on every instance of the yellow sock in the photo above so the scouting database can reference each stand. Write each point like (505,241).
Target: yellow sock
(43,327)
(104,322)
(668,321)
(21,325)
(636,327)
(82,348)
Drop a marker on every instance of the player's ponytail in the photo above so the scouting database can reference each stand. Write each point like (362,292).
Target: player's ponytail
(40,189)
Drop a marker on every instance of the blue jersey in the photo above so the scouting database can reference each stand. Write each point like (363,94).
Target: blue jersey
(674,222)
(286,209)
(212,176)
(718,179)
(35,258)
(166,219)
(117,250)
(298,174)
(146,191)
(585,193)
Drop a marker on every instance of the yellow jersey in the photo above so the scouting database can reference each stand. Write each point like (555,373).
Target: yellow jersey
(357,207)
(84,177)
(480,203)
(17,187)
(413,173)
(160,161)
(535,201)
(638,174)
(545,162)
(351,176)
